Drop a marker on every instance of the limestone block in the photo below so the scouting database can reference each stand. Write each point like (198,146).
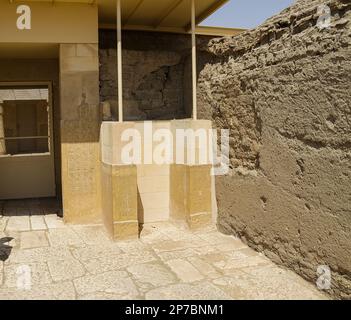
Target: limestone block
(155,200)
(33,239)
(79,96)
(119,201)
(71,88)
(198,221)
(111,142)
(199,189)
(79,64)
(125,230)
(153,184)
(81,183)
(124,193)
(191,194)
(119,129)
(90,91)
(151,215)
(185,271)
(106,144)
(153,170)
(191,145)
(68,50)
(178,192)
(87,50)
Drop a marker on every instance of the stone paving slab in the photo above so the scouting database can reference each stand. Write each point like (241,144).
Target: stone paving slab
(38,223)
(33,239)
(3,222)
(18,223)
(62,270)
(154,274)
(185,271)
(39,274)
(201,291)
(1,272)
(56,291)
(168,262)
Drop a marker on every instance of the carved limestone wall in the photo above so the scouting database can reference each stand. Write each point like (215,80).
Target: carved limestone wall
(80,125)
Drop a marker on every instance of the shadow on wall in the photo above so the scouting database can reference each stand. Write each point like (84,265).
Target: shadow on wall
(141,213)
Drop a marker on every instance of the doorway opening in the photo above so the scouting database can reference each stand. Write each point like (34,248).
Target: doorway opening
(27,158)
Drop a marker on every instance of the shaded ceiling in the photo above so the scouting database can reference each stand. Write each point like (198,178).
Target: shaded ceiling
(156,14)
(28,51)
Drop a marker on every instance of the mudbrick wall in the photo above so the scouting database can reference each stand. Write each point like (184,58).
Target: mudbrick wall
(284,91)
(156,73)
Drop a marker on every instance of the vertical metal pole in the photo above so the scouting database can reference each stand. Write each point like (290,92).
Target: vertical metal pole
(194,69)
(2,132)
(119,62)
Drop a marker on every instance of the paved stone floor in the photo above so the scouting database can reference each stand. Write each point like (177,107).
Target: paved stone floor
(168,262)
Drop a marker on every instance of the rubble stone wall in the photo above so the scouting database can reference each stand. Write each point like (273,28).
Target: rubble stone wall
(156,74)
(283,90)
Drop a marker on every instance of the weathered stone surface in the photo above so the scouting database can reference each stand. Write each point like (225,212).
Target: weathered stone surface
(53,221)
(80,124)
(37,223)
(178,254)
(184,270)
(1,272)
(243,287)
(121,261)
(33,239)
(57,291)
(283,90)
(38,273)
(151,273)
(64,237)
(3,222)
(205,268)
(138,270)
(116,282)
(20,223)
(203,291)
(96,251)
(39,255)
(172,246)
(92,235)
(62,270)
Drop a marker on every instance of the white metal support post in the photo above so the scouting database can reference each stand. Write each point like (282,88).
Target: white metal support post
(119,62)
(194,68)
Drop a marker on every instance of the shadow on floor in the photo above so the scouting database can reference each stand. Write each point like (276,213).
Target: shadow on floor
(5,250)
(31,207)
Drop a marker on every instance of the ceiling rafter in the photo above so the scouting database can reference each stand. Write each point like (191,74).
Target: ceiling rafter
(174,5)
(214,7)
(140,2)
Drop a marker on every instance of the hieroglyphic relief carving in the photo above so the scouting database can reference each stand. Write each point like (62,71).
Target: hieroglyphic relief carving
(81,166)
(80,137)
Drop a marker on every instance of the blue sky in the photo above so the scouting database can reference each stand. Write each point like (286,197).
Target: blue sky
(246,13)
